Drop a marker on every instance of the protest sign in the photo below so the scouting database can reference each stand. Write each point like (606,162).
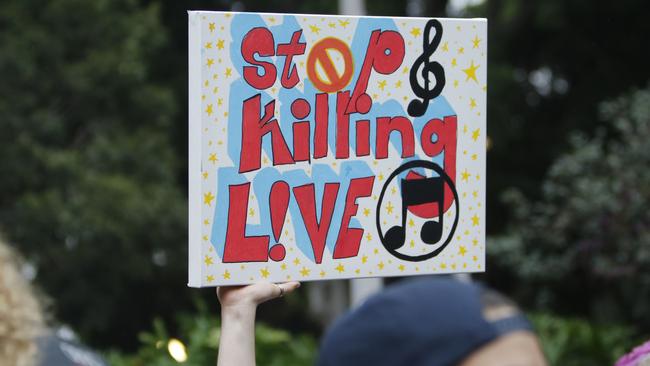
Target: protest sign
(325,147)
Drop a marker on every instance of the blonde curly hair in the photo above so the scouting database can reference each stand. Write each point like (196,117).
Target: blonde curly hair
(21,317)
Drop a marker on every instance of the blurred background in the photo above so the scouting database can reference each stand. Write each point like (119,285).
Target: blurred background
(93,179)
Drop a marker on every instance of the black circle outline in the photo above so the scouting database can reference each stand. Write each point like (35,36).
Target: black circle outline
(406,166)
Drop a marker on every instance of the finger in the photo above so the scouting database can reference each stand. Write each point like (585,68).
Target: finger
(286,287)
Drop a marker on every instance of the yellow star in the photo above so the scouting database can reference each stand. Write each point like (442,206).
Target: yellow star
(206,222)
(364,259)
(381,265)
(208,260)
(381,176)
(211,27)
(411,223)
(322,273)
(382,84)
(471,72)
(344,23)
(415,31)
(210,62)
(475,194)
(213,158)
(443,265)
(226,275)
(283,266)
(389,208)
(474,156)
(412,243)
(208,45)
(207,198)
(228,72)
(398,84)
(376,251)
(251,212)
(401,267)
(220,44)
(462,250)
(474,242)
(340,268)
(208,109)
(405,70)
(455,83)
(366,212)
(475,220)
(445,46)
(475,134)
(219,101)
(472,103)
(205,238)
(368,237)
(461,50)
(476,41)
(453,62)
(331,24)
(265,272)
(205,175)
(465,175)
(304,271)
(210,278)
(314,29)
(357,271)
(296,261)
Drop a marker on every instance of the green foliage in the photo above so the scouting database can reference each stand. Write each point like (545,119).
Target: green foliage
(551,63)
(88,187)
(200,334)
(585,247)
(577,342)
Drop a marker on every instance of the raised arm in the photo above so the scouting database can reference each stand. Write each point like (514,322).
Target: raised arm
(238,306)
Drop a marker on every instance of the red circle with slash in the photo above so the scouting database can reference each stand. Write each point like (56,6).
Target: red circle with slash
(333,81)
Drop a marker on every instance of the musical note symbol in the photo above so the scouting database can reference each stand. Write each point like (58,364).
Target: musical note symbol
(417,192)
(416,107)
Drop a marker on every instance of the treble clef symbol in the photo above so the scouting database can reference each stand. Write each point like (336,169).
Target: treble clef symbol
(418,107)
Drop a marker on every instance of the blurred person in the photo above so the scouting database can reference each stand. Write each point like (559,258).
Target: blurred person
(640,356)
(432,321)
(21,317)
(24,337)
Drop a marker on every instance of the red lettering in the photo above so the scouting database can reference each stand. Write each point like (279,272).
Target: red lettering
(342,125)
(363,137)
(290,76)
(258,41)
(238,247)
(384,54)
(386,125)
(254,128)
(301,141)
(322,120)
(305,197)
(349,239)
(445,132)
